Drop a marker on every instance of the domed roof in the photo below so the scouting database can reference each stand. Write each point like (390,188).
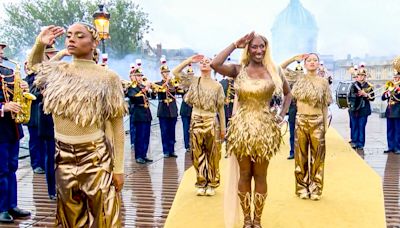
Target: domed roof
(295,14)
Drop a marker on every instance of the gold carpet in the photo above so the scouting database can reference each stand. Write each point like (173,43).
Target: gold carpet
(352,195)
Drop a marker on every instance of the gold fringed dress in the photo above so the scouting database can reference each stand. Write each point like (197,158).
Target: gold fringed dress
(253,130)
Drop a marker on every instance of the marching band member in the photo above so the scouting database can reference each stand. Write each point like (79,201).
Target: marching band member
(36,144)
(42,124)
(313,95)
(361,93)
(87,103)
(186,112)
(132,129)
(392,95)
(207,99)
(229,91)
(324,73)
(167,111)
(292,77)
(138,94)
(11,133)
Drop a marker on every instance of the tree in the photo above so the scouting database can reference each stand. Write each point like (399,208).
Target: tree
(24,19)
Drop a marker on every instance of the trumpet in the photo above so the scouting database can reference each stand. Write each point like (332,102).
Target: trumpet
(128,84)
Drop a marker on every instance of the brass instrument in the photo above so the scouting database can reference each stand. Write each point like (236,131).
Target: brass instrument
(158,88)
(389,86)
(19,96)
(128,84)
(175,82)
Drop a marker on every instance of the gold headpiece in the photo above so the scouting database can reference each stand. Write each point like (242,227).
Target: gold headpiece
(138,71)
(189,69)
(164,68)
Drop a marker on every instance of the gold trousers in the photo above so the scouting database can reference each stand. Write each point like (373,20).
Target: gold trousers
(206,150)
(309,154)
(85,194)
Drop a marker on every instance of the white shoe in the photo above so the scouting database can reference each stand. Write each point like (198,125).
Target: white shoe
(201,192)
(315,197)
(210,191)
(303,195)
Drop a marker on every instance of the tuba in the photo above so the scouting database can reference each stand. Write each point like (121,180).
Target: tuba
(22,98)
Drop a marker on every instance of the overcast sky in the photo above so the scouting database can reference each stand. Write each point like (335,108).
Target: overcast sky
(356,27)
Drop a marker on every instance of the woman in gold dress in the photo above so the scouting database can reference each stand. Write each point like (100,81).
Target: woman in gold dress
(206,96)
(253,135)
(313,97)
(87,105)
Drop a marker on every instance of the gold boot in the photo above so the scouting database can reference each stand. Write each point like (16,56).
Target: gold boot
(245,201)
(259,200)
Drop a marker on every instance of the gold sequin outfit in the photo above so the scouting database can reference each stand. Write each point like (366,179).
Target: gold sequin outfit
(253,130)
(84,177)
(313,97)
(87,104)
(207,98)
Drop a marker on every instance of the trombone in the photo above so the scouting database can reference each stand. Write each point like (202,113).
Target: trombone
(389,86)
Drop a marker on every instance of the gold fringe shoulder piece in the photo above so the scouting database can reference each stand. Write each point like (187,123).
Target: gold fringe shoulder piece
(86,94)
(312,90)
(209,95)
(187,80)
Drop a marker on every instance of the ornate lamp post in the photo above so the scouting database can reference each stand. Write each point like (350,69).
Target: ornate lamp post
(101,20)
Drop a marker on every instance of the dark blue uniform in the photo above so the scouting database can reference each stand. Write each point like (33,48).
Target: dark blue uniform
(37,156)
(292,123)
(10,135)
(167,113)
(140,112)
(393,119)
(186,113)
(359,110)
(227,85)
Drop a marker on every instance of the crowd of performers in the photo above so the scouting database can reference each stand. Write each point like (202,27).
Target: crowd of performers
(77,134)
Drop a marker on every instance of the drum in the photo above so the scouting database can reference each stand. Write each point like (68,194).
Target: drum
(342,93)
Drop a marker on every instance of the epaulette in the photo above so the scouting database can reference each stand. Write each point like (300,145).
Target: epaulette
(4,68)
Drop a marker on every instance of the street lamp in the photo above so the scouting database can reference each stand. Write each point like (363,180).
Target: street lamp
(101,20)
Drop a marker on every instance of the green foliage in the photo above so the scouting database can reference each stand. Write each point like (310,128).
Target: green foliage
(24,19)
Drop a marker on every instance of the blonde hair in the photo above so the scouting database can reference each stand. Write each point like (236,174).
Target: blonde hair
(267,62)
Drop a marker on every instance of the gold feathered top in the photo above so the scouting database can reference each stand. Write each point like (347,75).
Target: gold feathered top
(313,90)
(292,76)
(81,91)
(205,93)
